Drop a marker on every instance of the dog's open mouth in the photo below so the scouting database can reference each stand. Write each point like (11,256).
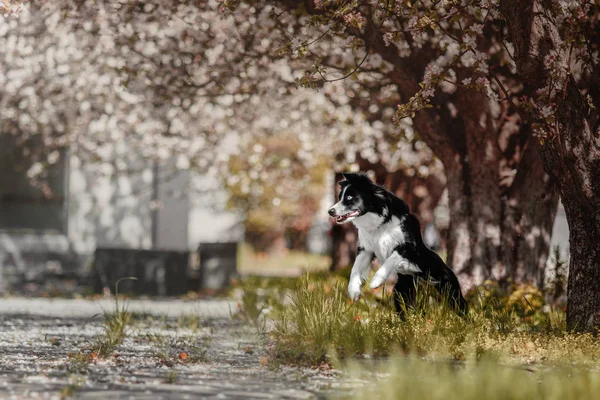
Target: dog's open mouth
(341,218)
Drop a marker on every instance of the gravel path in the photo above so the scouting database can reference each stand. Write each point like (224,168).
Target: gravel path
(173,350)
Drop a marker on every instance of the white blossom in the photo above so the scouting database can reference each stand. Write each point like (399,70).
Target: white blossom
(469,41)
(546,111)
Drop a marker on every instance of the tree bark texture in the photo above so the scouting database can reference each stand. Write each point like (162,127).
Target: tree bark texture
(498,230)
(570,153)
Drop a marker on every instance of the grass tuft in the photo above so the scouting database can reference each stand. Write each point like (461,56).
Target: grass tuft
(115,323)
(171,377)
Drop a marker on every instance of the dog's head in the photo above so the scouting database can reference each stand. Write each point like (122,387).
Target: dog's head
(357,196)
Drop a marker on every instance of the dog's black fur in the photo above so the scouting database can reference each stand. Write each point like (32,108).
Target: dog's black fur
(388,231)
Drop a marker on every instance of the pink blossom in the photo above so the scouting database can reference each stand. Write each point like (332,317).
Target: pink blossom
(482,81)
(432,70)
(387,38)
(469,41)
(477,29)
(428,92)
(482,67)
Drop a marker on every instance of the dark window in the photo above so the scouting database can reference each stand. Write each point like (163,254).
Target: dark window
(22,204)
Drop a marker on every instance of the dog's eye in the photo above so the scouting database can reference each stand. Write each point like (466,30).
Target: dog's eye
(348,197)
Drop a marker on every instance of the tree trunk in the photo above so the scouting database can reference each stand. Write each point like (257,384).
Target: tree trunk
(474,191)
(466,253)
(571,153)
(500,227)
(572,156)
(529,210)
(505,236)
(583,288)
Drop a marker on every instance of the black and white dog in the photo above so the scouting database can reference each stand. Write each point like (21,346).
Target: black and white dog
(387,230)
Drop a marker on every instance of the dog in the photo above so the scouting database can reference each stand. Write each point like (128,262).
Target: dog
(388,231)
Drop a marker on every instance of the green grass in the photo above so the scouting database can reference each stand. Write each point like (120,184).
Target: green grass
(191,322)
(511,346)
(319,324)
(115,323)
(412,378)
(171,377)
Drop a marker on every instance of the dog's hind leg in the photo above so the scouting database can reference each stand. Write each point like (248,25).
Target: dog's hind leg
(404,293)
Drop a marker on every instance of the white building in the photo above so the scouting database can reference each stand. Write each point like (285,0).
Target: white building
(81,207)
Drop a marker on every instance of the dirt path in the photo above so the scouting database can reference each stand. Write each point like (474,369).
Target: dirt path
(173,350)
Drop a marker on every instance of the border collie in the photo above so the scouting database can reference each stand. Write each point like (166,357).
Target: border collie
(387,230)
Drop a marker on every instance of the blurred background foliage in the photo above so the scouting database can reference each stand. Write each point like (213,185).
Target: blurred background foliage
(282,195)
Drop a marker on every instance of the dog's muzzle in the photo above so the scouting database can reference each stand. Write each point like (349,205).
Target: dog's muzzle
(341,218)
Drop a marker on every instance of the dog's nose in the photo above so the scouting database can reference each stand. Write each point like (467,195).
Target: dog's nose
(331,211)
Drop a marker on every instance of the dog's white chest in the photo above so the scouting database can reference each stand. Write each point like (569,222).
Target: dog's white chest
(384,245)
(383,240)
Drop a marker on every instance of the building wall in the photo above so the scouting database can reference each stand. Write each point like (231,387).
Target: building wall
(109,210)
(172,208)
(177,211)
(209,221)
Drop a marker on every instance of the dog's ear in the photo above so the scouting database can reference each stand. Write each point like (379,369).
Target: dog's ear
(359,179)
(351,176)
(343,183)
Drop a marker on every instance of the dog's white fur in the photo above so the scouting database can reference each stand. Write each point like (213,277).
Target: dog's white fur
(378,239)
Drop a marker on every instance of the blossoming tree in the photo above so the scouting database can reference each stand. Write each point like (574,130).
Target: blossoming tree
(504,93)
(98,74)
(444,63)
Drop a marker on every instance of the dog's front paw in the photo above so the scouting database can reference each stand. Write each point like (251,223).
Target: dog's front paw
(378,279)
(354,289)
